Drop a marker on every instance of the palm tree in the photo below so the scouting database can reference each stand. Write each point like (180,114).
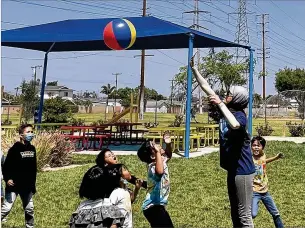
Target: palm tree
(87,105)
(257,99)
(107,90)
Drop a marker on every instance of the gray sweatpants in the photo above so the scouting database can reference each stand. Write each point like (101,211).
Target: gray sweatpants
(240,190)
(28,206)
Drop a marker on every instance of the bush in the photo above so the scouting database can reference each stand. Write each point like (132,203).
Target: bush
(56,110)
(6,122)
(74,108)
(150,125)
(52,148)
(178,121)
(98,123)
(77,122)
(264,130)
(296,129)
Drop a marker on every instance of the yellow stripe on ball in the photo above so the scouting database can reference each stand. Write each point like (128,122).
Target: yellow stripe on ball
(133,33)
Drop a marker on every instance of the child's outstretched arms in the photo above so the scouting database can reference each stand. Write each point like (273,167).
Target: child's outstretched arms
(168,148)
(214,98)
(159,169)
(131,178)
(277,157)
(134,194)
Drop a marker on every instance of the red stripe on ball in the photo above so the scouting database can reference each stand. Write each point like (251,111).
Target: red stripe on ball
(110,39)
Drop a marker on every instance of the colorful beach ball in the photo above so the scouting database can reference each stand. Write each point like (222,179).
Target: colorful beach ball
(119,34)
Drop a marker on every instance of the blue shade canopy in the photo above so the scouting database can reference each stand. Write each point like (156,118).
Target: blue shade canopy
(87,35)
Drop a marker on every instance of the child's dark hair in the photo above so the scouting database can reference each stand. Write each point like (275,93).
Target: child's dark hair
(260,139)
(24,126)
(145,152)
(100,159)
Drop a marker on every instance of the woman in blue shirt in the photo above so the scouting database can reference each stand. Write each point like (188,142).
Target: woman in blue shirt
(235,150)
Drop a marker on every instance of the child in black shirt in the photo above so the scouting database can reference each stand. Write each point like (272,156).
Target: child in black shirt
(19,174)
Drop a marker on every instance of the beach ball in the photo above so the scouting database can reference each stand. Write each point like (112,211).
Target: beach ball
(119,34)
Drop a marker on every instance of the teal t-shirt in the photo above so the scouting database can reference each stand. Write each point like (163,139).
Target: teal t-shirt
(158,186)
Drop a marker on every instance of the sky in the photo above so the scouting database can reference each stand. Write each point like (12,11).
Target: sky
(83,71)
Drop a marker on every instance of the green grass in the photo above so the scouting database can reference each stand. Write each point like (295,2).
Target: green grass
(198,195)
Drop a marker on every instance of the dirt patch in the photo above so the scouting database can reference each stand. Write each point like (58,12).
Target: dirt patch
(47,169)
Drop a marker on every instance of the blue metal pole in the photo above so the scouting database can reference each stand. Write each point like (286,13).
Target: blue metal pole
(188,97)
(43,84)
(250,116)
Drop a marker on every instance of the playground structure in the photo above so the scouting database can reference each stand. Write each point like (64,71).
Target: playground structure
(133,108)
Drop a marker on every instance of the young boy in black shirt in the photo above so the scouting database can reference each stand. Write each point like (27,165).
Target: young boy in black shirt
(19,174)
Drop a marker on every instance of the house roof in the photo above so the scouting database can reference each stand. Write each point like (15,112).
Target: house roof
(167,103)
(57,88)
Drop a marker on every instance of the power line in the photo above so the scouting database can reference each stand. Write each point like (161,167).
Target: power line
(281,26)
(104,6)
(288,15)
(54,7)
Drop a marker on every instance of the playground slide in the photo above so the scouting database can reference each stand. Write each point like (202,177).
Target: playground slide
(119,116)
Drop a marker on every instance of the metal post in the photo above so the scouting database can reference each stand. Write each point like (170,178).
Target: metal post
(156,109)
(188,97)
(251,65)
(43,84)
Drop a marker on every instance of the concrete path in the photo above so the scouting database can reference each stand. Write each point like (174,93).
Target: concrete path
(60,168)
(285,139)
(200,152)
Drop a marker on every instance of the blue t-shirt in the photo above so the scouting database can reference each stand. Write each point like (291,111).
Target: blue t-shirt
(158,186)
(235,147)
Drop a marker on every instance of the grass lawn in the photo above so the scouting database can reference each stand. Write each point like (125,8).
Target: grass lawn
(198,195)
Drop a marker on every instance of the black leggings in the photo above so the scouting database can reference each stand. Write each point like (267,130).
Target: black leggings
(157,216)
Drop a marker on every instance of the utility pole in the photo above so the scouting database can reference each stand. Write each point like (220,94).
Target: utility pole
(172,88)
(116,87)
(141,92)
(156,109)
(197,26)
(35,72)
(35,75)
(263,73)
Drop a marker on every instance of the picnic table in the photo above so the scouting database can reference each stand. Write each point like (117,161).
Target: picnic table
(85,135)
(177,136)
(211,133)
(124,131)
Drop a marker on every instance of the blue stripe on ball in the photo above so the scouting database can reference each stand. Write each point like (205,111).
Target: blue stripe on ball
(122,33)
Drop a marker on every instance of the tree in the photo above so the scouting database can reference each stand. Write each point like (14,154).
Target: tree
(29,99)
(86,94)
(93,94)
(220,70)
(88,106)
(107,90)
(54,83)
(257,100)
(224,69)
(124,95)
(57,110)
(292,79)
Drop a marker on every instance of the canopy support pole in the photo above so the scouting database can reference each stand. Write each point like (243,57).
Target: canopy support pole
(43,84)
(250,116)
(188,97)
